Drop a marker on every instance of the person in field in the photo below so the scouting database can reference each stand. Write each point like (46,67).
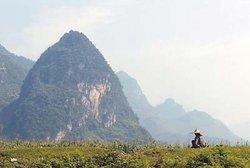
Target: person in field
(198,141)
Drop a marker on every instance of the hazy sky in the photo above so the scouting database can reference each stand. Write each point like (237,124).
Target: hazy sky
(195,51)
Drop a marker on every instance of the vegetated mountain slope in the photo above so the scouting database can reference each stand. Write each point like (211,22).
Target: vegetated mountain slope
(169,122)
(13,70)
(71,93)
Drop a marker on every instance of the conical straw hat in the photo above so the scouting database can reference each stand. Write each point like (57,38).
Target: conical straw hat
(196,131)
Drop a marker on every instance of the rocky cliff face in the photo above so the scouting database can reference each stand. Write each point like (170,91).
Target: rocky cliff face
(72,93)
(13,70)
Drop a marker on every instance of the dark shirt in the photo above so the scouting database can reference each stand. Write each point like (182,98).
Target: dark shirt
(198,142)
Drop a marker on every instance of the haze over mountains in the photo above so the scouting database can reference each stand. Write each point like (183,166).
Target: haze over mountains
(13,70)
(169,122)
(71,93)
(196,52)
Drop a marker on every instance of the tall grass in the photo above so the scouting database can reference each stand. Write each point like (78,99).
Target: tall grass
(119,155)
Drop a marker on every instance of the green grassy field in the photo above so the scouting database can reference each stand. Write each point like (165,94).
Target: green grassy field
(77,154)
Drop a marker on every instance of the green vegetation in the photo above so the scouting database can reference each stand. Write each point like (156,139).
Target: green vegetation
(79,154)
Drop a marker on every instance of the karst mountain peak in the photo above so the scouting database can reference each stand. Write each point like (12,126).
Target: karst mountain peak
(72,93)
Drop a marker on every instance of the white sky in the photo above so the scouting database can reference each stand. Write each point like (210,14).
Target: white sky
(195,51)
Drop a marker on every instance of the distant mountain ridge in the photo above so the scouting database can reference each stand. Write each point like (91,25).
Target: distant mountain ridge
(170,109)
(169,122)
(71,93)
(135,96)
(242,129)
(72,77)
(13,70)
